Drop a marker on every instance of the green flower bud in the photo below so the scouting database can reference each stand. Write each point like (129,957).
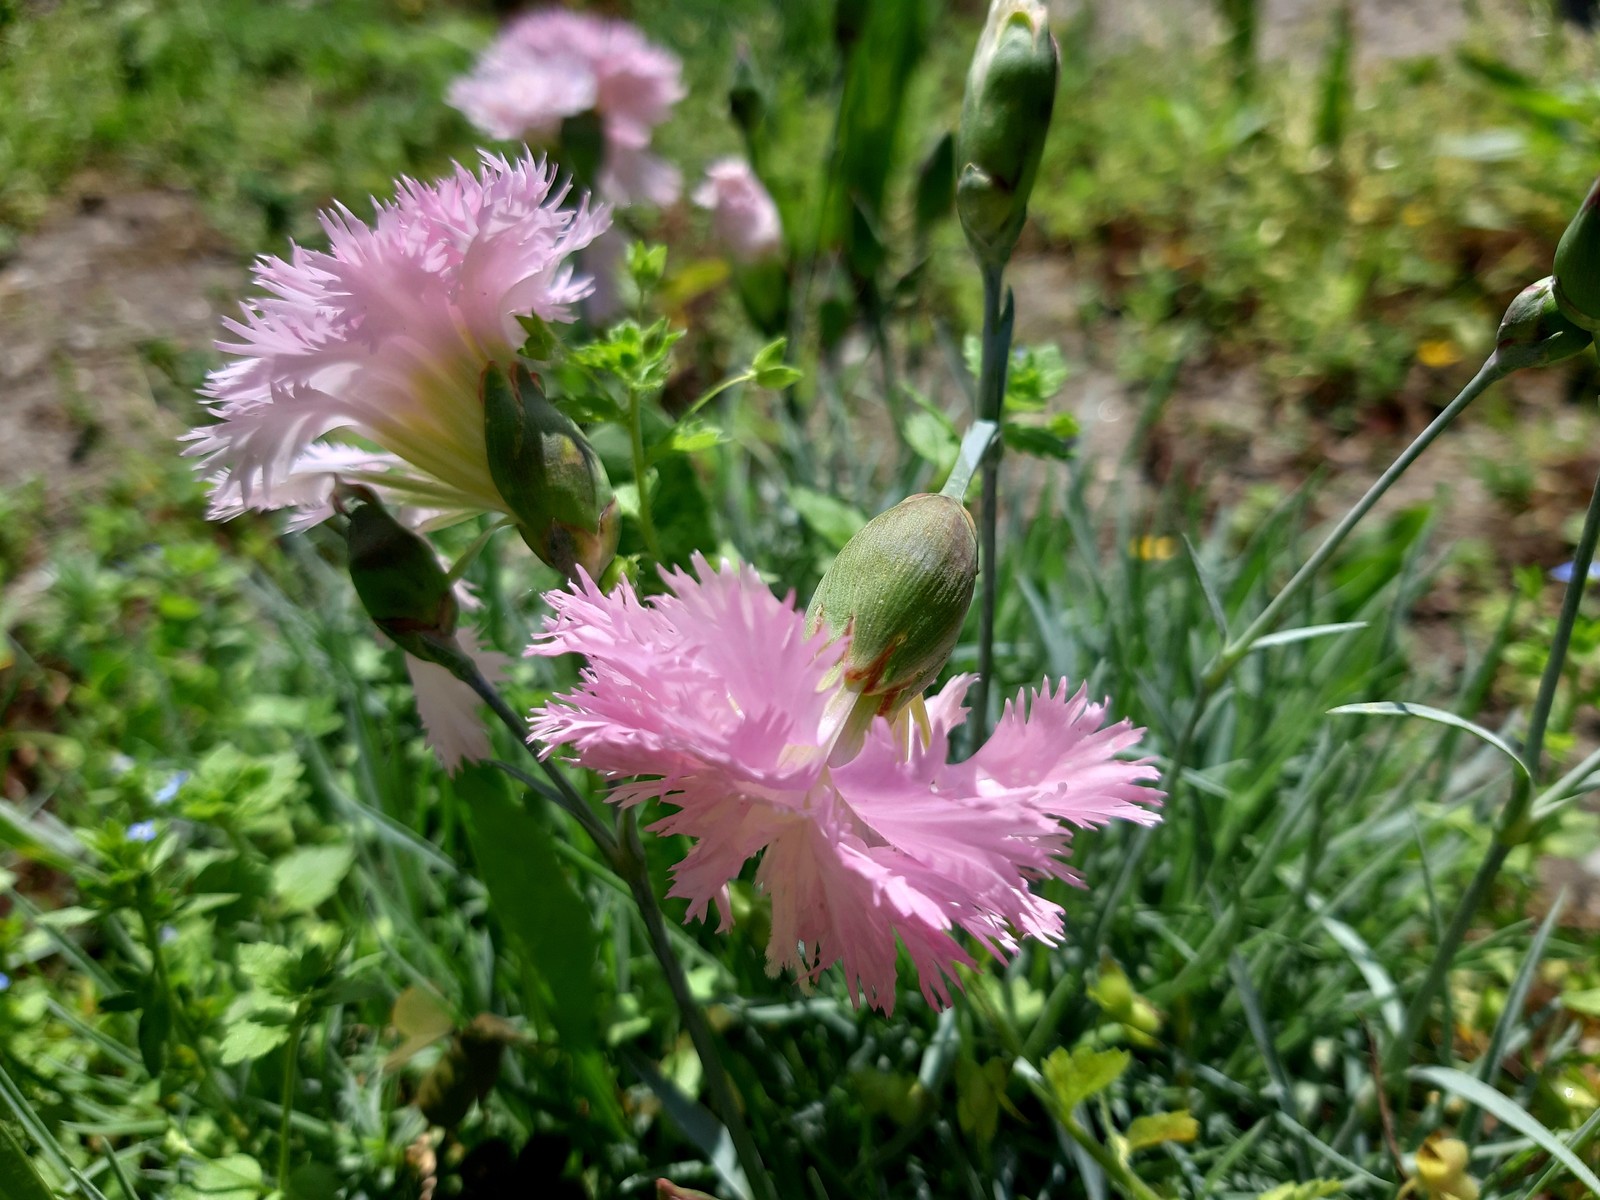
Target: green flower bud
(547,473)
(900,588)
(1011,90)
(747,96)
(1577,265)
(1534,332)
(400,582)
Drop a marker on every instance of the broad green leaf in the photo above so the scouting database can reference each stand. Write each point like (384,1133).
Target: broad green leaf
(304,878)
(1585,1003)
(1157,1128)
(931,435)
(247,1041)
(266,965)
(1076,1075)
(834,521)
(313,1181)
(236,1177)
(1509,1112)
(1395,708)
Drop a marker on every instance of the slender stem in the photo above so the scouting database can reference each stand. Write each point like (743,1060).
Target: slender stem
(640,469)
(1129,1184)
(991,399)
(291,1053)
(566,795)
(636,871)
(1513,827)
(1491,371)
(627,856)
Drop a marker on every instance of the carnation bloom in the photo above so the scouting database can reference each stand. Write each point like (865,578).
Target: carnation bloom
(385,337)
(743,216)
(718,702)
(551,64)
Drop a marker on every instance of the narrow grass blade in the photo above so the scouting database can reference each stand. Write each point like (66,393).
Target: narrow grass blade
(1305,633)
(22,1182)
(1395,708)
(695,1121)
(1508,1112)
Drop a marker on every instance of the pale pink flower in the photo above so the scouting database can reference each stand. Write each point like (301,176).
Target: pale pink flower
(552,64)
(382,339)
(717,702)
(449,708)
(743,216)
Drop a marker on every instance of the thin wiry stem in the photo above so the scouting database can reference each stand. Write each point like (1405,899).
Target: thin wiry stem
(991,400)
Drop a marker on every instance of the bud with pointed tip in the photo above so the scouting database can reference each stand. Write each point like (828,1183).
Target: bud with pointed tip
(900,588)
(1005,114)
(1534,332)
(1577,265)
(548,474)
(400,582)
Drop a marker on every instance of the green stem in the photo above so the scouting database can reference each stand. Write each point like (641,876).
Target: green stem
(627,857)
(636,871)
(991,399)
(640,470)
(291,1058)
(1513,827)
(1129,1184)
(1234,651)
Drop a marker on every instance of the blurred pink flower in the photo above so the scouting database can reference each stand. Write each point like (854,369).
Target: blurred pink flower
(449,708)
(384,337)
(715,698)
(743,216)
(551,64)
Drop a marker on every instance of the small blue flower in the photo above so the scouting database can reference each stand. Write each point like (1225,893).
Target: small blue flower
(170,788)
(142,831)
(168,934)
(5,981)
(1563,573)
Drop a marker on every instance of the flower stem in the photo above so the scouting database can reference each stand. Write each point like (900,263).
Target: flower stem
(991,400)
(1513,827)
(1127,1184)
(291,1057)
(1230,655)
(627,857)
(641,469)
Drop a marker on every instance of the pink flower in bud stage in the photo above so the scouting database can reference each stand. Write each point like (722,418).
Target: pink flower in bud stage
(714,700)
(382,340)
(743,216)
(550,65)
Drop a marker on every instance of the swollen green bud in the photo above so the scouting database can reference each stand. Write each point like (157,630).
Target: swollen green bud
(747,97)
(1011,90)
(401,584)
(548,475)
(1534,332)
(901,588)
(1577,265)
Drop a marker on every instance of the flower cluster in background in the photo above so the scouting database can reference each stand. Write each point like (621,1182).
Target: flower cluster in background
(743,217)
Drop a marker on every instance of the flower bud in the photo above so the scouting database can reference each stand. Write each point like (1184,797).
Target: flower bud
(1534,332)
(400,582)
(1577,265)
(900,588)
(548,475)
(1442,1169)
(1011,90)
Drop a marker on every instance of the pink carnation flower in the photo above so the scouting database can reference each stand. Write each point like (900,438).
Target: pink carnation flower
(385,336)
(715,699)
(743,216)
(551,64)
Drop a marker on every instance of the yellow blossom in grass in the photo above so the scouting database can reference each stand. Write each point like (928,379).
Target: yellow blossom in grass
(1414,215)
(1438,352)
(1153,548)
(1442,1171)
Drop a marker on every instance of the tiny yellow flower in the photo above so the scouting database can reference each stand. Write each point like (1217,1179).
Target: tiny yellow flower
(1414,214)
(1438,352)
(1151,548)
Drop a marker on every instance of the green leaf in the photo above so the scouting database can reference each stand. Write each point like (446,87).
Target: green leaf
(688,437)
(980,1091)
(247,1041)
(236,1177)
(16,1168)
(1509,1112)
(1076,1075)
(265,964)
(1051,440)
(1157,1128)
(304,878)
(313,1181)
(541,912)
(831,519)
(1394,708)
(1305,633)
(932,436)
(1585,1003)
